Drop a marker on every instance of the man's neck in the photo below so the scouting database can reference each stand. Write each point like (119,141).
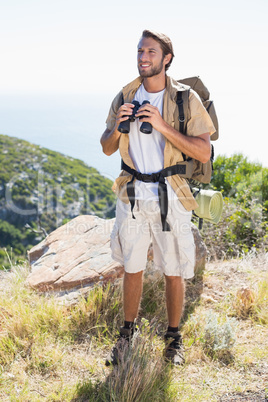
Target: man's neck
(155,84)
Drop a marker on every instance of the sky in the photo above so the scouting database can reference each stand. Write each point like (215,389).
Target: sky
(66,47)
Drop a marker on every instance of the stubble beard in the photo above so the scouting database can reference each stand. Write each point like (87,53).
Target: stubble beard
(153,71)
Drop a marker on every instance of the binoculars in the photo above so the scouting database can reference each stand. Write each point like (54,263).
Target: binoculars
(124,126)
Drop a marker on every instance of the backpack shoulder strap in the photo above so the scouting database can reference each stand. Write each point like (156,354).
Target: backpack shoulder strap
(181,112)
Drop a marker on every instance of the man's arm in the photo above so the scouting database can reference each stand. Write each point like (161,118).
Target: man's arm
(195,147)
(110,138)
(110,141)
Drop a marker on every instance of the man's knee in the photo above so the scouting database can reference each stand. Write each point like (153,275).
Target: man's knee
(174,279)
(133,277)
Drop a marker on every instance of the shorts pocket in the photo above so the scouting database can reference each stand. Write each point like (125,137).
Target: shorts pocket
(187,256)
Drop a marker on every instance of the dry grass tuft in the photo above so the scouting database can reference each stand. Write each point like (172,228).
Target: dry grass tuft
(244,302)
(252,302)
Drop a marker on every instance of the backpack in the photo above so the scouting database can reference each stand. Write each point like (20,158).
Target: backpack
(201,172)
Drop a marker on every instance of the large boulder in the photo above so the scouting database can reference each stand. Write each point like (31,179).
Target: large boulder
(77,255)
(74,255)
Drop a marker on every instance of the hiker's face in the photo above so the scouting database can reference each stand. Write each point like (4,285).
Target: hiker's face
(150,58)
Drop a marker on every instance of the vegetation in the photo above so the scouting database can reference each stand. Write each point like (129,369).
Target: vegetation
(244,223)
(43,188)
(51,351)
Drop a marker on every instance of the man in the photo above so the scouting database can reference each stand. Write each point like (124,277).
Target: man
(142,213)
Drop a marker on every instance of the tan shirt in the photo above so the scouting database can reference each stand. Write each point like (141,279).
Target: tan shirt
(199,122)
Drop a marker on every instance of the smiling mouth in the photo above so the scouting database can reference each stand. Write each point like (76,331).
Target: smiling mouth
(144,65)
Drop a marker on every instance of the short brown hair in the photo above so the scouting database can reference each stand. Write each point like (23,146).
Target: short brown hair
(163,40)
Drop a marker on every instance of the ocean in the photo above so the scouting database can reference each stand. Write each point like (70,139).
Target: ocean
(68,123)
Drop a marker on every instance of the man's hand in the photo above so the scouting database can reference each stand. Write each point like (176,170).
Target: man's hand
(123,113)
(151,115)
(110,138)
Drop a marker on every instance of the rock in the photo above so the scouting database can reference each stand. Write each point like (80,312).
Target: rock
(77,255)
(74,255)
(200,250)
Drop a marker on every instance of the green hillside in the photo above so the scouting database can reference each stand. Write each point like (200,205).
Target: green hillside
(41,189)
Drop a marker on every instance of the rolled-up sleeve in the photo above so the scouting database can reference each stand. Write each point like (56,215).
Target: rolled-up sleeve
(200,121)
(116,103)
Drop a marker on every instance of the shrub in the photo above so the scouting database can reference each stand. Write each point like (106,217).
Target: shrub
(243,227)
(218,338)
(244,223)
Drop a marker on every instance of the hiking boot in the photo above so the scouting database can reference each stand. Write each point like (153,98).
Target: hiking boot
(173,351)
(121,345)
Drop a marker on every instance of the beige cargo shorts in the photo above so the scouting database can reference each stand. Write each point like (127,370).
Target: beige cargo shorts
(174,251)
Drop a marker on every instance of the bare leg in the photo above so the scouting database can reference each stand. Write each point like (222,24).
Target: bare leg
(175,291)
(132,291)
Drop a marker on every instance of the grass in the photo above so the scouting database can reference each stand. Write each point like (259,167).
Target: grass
(53,352)
(143,375)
